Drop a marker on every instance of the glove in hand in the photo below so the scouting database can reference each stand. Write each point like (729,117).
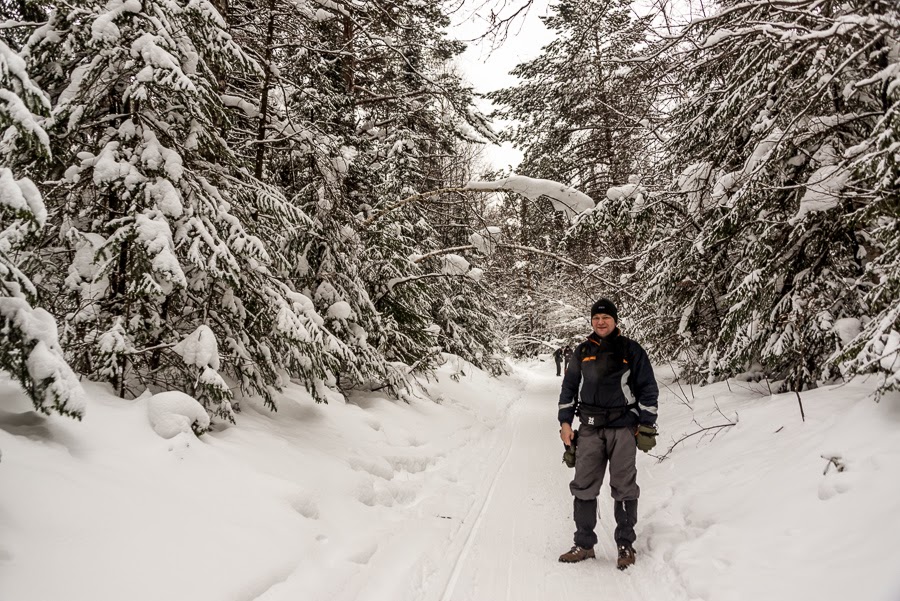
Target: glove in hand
(646,437)
(569,454)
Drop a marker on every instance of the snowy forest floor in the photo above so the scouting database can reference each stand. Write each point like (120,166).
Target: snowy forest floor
(459,495)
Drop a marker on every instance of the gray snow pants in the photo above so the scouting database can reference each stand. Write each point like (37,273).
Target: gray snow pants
(597,448)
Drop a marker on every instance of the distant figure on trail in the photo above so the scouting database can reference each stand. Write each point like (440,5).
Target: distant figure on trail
(567,354)
(557,357)
(617,415)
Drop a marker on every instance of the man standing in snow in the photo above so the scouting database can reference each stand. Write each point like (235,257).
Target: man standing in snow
(557,357)
(617,415)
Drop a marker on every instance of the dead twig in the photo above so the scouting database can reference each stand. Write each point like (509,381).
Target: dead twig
(702,430)
(737,417)
(681,399)
(835,460)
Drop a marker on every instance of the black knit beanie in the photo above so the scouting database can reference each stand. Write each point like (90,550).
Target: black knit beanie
(606,306)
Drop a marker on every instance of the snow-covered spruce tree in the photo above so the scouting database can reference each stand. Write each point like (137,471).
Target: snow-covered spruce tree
(415,113)
(534,304)
(302,132)
(584,106)
(582,103)
(466,318)
(176,247)
(368,115)
(617,242)
(780,96)
(877,346)
(29,348)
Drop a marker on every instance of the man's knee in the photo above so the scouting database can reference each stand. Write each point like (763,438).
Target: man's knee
(623,482)
(585,490)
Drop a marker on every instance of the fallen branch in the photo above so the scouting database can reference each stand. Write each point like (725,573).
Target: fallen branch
(700,431)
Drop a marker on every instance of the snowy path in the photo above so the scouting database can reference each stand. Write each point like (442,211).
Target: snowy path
(457,495)
(525,522)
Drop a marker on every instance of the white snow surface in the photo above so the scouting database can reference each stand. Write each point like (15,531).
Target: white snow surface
(620,192)
(459,494)
(847,329)
(476,274)
(565,199)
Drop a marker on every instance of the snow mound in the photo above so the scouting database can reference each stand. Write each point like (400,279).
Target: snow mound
(172,413)
(476,274)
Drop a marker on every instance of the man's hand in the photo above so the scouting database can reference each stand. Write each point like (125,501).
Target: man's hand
(566,434)
(646,438)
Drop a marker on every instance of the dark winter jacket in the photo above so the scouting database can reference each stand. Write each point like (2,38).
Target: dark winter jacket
(557,355)
(618,388)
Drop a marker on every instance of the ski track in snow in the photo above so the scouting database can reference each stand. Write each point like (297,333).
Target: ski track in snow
(524,522)
(471,535)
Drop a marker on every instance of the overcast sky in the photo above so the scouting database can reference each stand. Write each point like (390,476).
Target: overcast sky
(488,69)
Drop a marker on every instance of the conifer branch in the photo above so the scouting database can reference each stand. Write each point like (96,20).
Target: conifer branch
(418,196)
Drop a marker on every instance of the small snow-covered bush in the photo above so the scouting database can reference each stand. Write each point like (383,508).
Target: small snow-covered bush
(172,413)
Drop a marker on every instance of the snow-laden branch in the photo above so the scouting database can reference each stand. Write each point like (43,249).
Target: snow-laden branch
(565,198)
(529,249)
(396,282)
(418,196)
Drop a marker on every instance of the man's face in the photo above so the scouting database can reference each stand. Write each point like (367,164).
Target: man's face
(603,324)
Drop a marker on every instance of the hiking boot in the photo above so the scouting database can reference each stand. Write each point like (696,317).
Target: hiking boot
(576,554)
(626,557)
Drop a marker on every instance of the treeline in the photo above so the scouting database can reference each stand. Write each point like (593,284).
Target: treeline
(746,163)
(194,196)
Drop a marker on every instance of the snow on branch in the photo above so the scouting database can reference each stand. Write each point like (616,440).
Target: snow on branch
(486,240)
(565,199)
(528,249)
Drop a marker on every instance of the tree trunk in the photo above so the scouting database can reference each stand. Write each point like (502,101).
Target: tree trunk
(264,100)
(222,7)
(348,61)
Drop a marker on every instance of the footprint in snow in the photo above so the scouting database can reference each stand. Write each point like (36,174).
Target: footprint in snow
(363,556)
(305,506)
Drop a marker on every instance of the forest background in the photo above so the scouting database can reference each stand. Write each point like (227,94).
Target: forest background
(222,197)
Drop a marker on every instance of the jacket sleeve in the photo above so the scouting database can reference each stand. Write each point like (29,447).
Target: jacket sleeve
(643,386)
(568,397)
